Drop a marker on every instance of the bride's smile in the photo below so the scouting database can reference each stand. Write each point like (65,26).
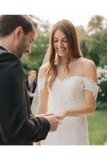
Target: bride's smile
(60,43)
(61,49)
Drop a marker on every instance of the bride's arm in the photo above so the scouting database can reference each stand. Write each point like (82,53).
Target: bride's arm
(89,70)
(42,107)
(43,92)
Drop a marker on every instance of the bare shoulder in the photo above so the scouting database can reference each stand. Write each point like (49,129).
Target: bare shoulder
(89,69)
(86,63)
(44,67)
(42,70)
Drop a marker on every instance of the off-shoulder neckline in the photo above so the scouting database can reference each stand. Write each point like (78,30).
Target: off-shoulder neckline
(68,77)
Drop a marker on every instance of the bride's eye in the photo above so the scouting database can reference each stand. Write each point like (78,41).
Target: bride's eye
(65,41)
(55,40)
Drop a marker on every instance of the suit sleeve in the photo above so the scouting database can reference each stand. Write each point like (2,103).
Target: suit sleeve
(16,126)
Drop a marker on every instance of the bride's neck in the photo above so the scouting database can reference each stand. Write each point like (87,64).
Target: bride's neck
(62,61)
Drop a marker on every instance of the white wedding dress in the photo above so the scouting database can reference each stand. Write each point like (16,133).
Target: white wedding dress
(69,93)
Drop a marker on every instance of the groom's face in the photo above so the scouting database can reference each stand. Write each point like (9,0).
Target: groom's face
(24,44)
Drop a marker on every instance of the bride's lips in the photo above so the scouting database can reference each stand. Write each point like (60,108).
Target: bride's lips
(62,49)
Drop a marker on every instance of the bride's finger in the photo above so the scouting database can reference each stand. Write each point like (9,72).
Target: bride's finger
(41,115)
(49,114)
(60,121)
(59,117)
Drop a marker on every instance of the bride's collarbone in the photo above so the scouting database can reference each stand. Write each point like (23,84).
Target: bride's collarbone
(65,74)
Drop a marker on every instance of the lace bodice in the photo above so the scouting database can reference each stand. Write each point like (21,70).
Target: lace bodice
(69,93)
(78,83)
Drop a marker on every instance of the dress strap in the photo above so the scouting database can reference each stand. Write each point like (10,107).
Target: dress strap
(90,85)
(41,83)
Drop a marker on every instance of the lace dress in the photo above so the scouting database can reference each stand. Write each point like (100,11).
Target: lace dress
(69,93)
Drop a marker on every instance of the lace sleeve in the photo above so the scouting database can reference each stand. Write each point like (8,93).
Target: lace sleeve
(90,85)
(41,83)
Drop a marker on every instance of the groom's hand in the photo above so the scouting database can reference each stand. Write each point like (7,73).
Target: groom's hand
(53,119)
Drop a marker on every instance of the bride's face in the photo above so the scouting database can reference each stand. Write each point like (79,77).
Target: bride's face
(60,43)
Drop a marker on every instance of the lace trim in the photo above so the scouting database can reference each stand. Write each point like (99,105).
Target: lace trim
(91,86)
(41,83)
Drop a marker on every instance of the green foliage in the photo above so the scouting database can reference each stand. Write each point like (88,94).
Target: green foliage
(94,47)
(102,83)
(97,127)
(101,105)
(96,23)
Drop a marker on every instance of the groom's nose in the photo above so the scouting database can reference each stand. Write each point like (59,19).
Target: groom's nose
(28,50)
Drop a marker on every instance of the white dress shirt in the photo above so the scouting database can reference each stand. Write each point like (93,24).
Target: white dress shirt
(5,48)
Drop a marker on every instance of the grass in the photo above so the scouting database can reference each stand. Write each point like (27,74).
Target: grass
(97,127)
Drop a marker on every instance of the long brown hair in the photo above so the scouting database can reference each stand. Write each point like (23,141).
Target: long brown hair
(73,47)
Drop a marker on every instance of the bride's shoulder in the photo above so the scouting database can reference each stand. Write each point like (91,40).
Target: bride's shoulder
(87,63)
(44,67)
(42,70)
(89,69)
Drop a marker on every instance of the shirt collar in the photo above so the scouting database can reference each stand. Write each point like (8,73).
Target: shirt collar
(5,48)
(30,82)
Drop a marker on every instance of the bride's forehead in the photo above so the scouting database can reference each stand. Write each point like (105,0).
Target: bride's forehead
(59,33)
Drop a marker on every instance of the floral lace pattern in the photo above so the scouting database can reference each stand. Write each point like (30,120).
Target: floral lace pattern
(41,83)
(69,93)
(89,84)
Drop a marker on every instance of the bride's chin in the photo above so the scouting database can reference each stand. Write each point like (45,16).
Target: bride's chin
(62,54)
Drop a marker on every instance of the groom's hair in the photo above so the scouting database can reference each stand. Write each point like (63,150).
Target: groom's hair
(8,23)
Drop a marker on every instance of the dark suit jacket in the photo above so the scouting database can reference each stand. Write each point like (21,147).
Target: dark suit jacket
(34,87)
(16,125)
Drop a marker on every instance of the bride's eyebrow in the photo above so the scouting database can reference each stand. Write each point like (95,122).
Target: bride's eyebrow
(64,38)
(57,38)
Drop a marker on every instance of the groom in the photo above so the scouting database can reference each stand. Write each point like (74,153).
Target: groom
(17,32)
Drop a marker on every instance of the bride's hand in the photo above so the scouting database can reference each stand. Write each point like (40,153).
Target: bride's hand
(62,113)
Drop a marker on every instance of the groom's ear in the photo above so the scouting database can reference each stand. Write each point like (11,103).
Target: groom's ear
(18,32)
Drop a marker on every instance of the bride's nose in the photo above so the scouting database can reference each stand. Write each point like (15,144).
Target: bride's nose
(60,44)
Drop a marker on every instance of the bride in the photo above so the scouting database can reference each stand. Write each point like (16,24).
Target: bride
(67,86)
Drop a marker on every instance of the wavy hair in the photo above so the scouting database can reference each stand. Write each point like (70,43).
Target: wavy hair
(69,30)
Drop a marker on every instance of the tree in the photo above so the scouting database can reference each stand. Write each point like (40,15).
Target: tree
(81,32)
(94,46)
(96,23)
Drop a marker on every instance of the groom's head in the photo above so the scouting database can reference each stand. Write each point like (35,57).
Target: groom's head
(19,32)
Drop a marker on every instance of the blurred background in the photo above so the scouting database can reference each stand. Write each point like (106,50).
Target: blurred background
(90,20)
